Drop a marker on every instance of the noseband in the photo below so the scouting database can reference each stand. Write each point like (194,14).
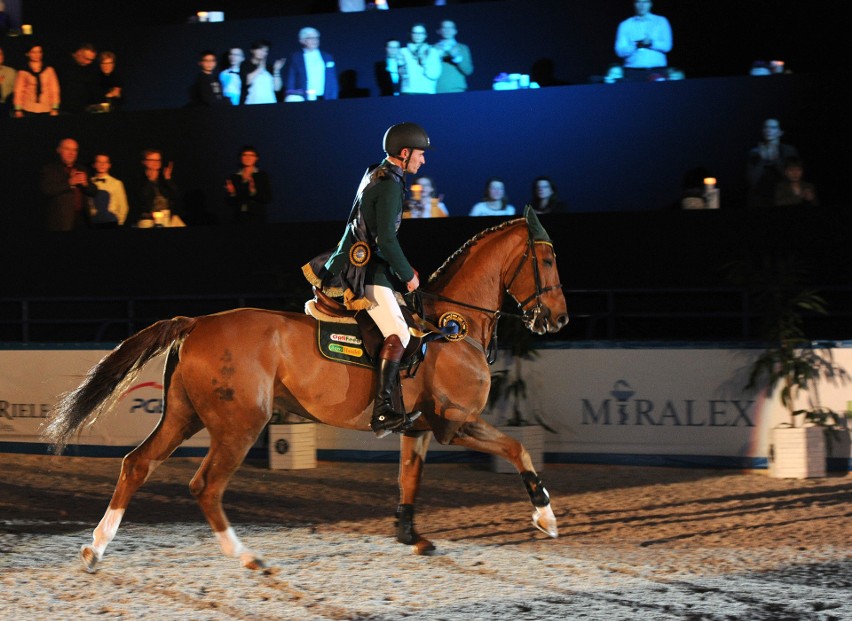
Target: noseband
(530,315)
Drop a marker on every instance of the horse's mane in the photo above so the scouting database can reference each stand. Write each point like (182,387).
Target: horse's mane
(445,267)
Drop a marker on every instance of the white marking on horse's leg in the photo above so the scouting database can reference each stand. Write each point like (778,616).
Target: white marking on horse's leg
(544,520)
(106,529)
(233,547)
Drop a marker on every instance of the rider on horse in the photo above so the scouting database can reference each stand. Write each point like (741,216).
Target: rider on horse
(368,263)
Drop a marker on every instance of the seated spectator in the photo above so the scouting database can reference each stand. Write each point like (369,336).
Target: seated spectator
(456,61)
(110,84)
(387,70)
(494,200)
(311,73)
(793,190)
(78,80)
(423,201)
(109,206)
(36,86)
(156,201)
(421,66)
(206,90)
(259,85)
(232,84)
(248,189)
(545,199)
(7,84)
(765,166)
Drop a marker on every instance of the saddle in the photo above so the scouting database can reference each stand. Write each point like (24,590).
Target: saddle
(330,310)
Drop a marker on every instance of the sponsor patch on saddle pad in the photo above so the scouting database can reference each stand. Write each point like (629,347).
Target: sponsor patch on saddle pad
(342,342)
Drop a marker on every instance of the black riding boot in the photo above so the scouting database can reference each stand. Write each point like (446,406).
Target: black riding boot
(385,419)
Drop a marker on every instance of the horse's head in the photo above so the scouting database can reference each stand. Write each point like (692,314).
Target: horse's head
(535,283)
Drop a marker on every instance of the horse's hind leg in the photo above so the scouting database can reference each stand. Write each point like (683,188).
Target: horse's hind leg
(480,436)
(177,423)
(231,439)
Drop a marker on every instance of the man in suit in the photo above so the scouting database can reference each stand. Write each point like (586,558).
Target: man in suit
(311,73)
(66,186)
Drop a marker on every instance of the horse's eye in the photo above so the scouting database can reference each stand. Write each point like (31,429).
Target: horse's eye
(548,262)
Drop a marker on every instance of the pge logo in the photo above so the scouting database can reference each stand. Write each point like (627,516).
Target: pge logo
(140,404)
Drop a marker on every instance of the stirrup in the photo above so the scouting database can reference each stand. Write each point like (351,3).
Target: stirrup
(385,427)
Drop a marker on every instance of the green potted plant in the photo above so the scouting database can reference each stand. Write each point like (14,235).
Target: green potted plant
(509,388)
(791,365)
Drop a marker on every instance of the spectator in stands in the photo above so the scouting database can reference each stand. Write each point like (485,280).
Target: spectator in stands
(248,189)
(387,70)
(421,66)
(642,42)
(259,85)
(78,80)
(36,86)
(456,61)
(423,201)
(311,73)
(494,200)
(110,84)
(206,90)
(232,84)
(765,167)
(156,199)
(545,198)
(66,186)
(109,203)
(7,84)
(793,190)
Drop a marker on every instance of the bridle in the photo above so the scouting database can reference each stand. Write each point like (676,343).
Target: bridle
(528,315)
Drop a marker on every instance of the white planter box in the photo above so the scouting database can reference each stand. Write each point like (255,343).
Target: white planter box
(293,447)
(532,437)
(797,453)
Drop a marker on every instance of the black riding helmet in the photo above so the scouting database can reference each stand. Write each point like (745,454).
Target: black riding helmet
(405,135)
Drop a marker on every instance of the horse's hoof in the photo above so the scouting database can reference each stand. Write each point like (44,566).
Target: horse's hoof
(90,558)
(258,564)
(423,546)
(544,520)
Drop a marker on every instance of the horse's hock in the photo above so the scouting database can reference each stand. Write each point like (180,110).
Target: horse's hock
(292,446)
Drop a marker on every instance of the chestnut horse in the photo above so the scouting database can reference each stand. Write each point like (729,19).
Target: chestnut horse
(224,371)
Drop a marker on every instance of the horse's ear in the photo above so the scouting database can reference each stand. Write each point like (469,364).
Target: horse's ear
(537,232)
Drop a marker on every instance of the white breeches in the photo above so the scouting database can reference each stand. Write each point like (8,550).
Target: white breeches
(386,313)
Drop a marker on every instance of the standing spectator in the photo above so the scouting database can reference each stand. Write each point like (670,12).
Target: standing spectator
(66,186)
(110,84)
(157,196)
(765,168)
(36,86)
(793,190)
(78,80)
(421,66)
(642,42)
(311,73)
(545,198)
(7,84)
(249,191)
(259,86)
(456,61)
(232,84)
(494,200)
(206,90)
(387,70)
(110,199)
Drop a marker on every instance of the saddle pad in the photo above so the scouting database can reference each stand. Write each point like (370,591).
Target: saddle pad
(342,342)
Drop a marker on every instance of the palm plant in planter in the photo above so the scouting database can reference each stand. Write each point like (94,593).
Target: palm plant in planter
(791,364)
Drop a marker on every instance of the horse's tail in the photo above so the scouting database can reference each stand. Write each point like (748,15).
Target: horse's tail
(117,369)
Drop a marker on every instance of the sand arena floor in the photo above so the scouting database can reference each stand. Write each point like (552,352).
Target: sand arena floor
(635,543)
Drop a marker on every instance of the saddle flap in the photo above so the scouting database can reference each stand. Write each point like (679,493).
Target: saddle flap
(330,306)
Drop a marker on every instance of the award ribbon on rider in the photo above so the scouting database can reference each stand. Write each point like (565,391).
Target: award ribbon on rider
(359,254)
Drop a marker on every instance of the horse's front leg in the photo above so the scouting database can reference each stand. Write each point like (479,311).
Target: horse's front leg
(413,447)
(480,436)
